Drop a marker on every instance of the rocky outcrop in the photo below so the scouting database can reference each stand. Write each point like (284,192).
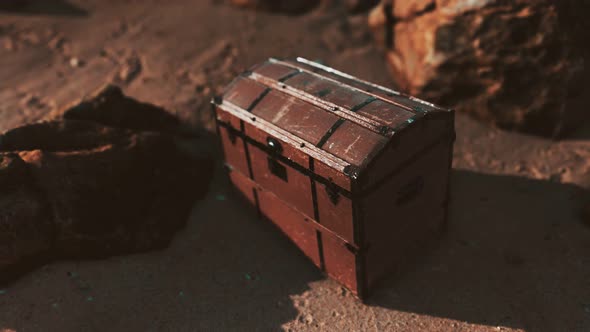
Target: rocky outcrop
(282,6)
(519,64)
(92,187)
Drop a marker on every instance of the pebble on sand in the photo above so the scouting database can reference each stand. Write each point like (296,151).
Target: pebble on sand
(75,62)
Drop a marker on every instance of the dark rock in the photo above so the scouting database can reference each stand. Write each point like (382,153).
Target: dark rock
(282,6)
(26,225)
(67,135)
(80,189)
(108,199)
(518,65)
(110,107)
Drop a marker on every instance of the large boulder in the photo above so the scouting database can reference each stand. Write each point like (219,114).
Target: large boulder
(516,64)
(92,187)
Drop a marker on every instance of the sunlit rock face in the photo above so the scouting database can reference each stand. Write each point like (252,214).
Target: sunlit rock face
(516,64)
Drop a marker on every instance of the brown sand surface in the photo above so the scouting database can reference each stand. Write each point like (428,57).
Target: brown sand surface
(516,255)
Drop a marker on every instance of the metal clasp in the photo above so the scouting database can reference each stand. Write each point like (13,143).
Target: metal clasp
(274,146)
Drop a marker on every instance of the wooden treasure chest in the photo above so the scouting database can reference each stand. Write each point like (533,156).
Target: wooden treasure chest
(355,174)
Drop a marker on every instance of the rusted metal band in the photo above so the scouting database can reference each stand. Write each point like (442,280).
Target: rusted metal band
(329,133)
(306,147)
(316,225)
(314,193)
(258,99)
(338,110)
(389,92)
(367,101)
(247,152)
(295,166)
(321,250)
(243,131)
(257,202)
(288,76)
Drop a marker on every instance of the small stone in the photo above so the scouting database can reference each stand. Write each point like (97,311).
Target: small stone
(75,62)
(31,38)
(521,167)
(90,299)
(9,44)
(220,197)
(2,291)
(199,80)
(57,43)
(130,70)
(343,291)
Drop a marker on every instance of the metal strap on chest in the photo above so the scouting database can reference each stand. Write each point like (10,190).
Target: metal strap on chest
(340,111)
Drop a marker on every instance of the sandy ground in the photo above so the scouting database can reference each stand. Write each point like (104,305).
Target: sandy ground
(516,256)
